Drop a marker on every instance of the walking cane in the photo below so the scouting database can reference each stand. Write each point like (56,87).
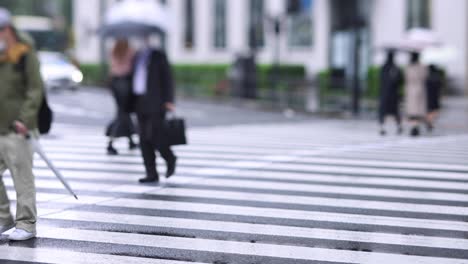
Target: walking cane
(38,149)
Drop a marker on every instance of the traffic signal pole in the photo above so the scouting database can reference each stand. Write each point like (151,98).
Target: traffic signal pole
(356,90)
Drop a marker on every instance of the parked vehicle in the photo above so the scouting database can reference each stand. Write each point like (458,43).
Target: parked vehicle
(58,72)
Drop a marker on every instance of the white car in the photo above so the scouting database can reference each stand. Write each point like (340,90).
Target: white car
(58,72)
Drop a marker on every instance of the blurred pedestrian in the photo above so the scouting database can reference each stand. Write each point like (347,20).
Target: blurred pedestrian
(21,95)
(391,79)
(153,96)
(415,93)
(434,83)
(121,63)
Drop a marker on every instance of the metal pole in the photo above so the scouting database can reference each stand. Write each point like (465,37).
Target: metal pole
(275,70)
(277,26)
(102,42)
(356,93)
(466,49)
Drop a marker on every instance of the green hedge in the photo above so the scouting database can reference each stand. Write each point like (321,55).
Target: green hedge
(286,74)
(204,79)
(372,82)
(324,82)
(326,87)
(196,79)
(93,74)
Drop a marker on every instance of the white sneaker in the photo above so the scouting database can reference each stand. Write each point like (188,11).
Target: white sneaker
(5,228)
(20,235)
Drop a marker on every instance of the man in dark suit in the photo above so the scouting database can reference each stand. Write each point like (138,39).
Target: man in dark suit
(153,96)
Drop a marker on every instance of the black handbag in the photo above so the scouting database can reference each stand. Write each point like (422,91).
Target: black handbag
(45,117)
(175,130)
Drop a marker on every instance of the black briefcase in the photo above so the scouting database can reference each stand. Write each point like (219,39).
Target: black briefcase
(175,131)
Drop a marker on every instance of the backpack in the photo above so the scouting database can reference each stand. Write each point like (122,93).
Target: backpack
(45,114)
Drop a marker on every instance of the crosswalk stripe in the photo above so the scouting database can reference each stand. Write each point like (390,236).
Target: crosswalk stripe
(66,156)
(270,185)
(71,257)
(409,158)
(276,175)
(412,151)
(306,138)
(236,153)
(319,201)
(65,198)
(274,230)
(288,214)
(367,171)
(317,188)
(242,248)
(364,179)
(258,197)
(135,157)
(371,163)
(235,148)
(280,166)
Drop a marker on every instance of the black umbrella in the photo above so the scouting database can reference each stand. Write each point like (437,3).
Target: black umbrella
(129,29)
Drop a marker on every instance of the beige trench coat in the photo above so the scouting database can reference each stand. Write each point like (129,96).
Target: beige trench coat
(415,90)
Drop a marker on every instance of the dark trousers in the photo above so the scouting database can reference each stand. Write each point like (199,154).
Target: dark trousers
(152,139)
(395,113)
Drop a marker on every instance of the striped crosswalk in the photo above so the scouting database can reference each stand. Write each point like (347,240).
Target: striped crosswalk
(279,193)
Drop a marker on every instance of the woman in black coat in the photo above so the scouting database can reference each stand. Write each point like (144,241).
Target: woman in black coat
(121,84)
(391,79)
(434,85)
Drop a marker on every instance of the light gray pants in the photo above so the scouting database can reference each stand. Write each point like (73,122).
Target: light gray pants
(16,155)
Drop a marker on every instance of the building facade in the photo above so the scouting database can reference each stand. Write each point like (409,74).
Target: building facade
(323,34)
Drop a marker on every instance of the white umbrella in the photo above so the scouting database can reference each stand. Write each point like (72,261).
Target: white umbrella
(136,17)
(417,39)
(442,54)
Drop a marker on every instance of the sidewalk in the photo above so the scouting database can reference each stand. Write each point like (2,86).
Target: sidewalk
(95,106)
(454,115)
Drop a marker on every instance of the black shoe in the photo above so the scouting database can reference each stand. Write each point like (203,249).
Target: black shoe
(132,145)
(149,179)
(112,151)
(171,166)
(383,132)
(415,132)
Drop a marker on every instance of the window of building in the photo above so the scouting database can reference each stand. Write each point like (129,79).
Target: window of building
(219,23)
(189,32)
(256,30)
(301,25)
(418,13)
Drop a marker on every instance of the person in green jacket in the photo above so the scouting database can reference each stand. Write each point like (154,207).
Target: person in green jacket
(21,93)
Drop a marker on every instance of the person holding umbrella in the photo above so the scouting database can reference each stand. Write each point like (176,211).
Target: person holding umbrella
(434,84)
(415,93)
(435,57)
(20,101)
(121,61)
(391,78)
(152,84)
(153,96)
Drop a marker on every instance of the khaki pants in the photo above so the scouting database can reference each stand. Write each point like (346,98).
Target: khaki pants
(16,155)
